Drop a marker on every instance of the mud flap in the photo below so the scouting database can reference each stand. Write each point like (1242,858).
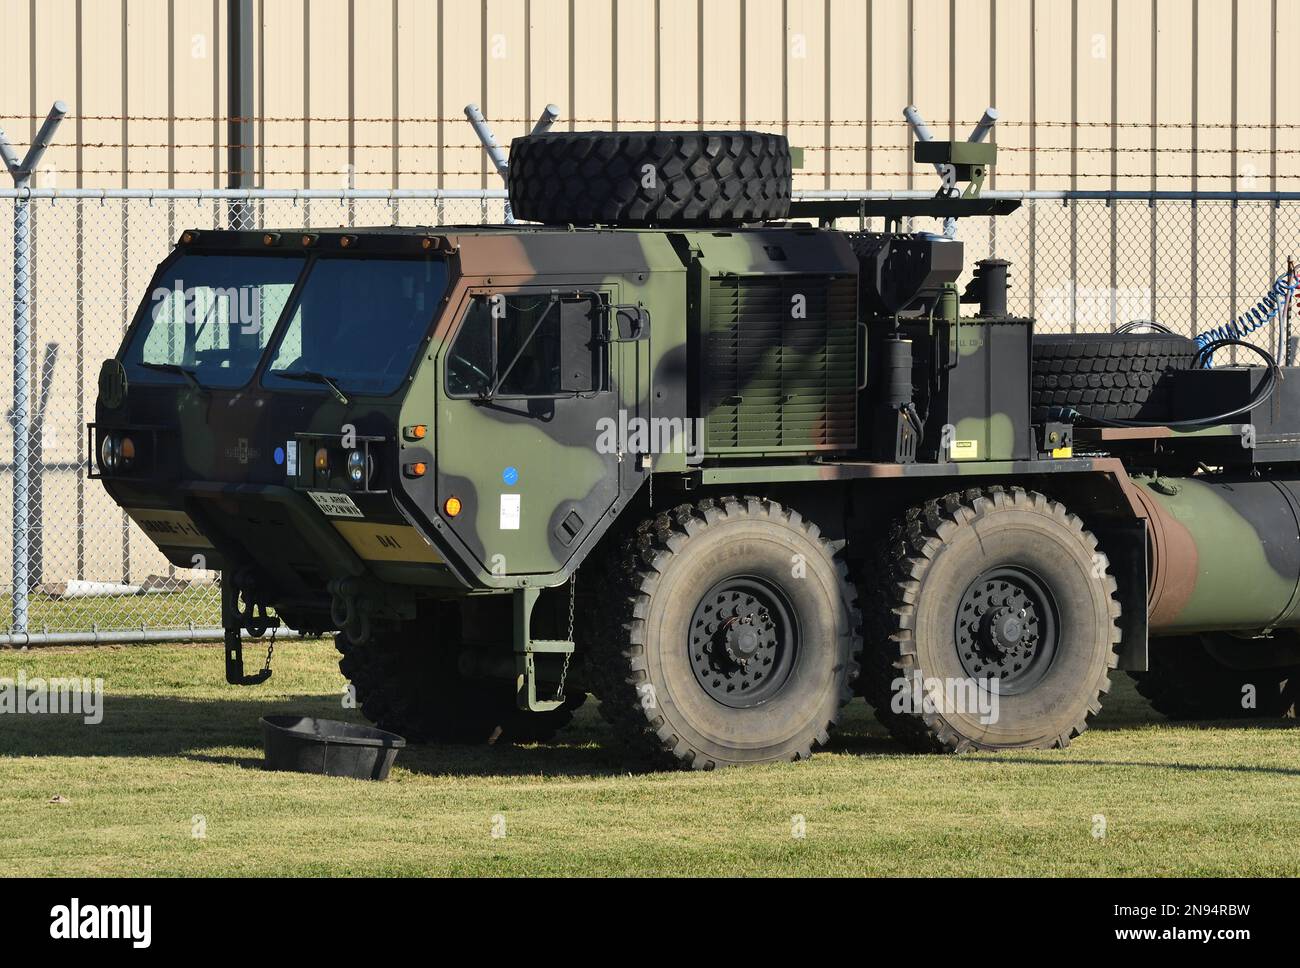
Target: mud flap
(1125,544)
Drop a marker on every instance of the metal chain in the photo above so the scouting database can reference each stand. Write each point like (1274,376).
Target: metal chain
(270,647)
(568,656)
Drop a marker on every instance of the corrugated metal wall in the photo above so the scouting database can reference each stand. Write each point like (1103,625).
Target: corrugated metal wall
(1093,93)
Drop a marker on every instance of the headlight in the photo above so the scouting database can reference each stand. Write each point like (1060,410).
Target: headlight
(116,453)
(108,452)
(357,466)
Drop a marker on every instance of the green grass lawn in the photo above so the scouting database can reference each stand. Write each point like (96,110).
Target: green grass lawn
(177,742)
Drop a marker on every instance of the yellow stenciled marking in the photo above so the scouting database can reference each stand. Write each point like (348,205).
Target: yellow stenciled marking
(167,527)
(1063,452)
(386,542)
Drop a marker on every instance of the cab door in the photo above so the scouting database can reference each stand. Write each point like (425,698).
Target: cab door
(525,407)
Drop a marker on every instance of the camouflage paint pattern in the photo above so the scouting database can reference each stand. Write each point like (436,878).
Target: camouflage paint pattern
(536,492)
(1225,553)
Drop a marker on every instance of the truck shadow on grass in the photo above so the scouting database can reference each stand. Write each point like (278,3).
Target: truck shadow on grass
(221,731)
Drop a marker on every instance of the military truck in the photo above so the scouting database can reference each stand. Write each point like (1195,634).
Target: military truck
(693,447)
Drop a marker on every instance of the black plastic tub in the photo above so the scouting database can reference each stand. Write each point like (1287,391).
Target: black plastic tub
(306,745)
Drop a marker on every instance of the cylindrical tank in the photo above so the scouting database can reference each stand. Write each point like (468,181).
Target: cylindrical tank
(1225,553)
(896,373)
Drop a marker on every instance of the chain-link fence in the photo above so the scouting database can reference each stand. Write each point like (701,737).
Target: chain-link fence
(1080,263)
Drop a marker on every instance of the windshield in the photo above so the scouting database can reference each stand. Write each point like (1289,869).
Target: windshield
(210,316)
(358,323)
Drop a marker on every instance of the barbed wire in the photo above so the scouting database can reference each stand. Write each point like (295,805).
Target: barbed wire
(418,146)
(798,173)
(686,122)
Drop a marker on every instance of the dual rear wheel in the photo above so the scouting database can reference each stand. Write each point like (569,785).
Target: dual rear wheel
(991,623)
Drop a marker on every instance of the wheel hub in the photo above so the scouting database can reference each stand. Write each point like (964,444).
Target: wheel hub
(743,637)
(742,641)
(1006,628)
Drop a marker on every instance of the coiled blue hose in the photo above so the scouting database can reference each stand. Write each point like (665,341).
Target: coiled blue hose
(1259,315)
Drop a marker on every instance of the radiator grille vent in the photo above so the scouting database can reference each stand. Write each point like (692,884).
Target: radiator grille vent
(781,363)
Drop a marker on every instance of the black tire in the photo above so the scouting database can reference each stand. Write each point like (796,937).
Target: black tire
(663,680)
(939,563)
(412,686)
(1184,681)
(1107,376)
(645,178)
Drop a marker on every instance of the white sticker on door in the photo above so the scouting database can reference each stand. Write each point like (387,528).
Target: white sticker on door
(509,512)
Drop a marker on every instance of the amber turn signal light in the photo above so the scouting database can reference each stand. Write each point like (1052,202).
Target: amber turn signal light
(417,469)
(416,432)
(322,459)
(452,507)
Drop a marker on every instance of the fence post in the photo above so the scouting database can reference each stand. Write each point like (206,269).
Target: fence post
(19,416)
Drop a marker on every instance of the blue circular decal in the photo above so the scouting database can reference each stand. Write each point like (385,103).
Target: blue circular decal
(279,455)
(511,476)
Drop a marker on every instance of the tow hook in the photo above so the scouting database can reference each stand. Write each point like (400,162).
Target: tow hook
(240,611)
(349,610)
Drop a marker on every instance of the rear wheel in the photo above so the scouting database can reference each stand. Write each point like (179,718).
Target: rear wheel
(994,624)
(736,637)
(1184,681)
(409,684)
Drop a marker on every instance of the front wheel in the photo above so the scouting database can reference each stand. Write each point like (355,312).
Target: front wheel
(735,639)
(407,680)
(994,626)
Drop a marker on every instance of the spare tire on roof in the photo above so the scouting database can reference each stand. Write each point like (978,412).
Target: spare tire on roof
(650,178)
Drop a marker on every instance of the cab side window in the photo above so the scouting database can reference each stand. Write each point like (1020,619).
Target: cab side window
(526,345)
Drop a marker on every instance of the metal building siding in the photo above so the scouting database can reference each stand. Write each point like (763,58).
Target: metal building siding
(366,82)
